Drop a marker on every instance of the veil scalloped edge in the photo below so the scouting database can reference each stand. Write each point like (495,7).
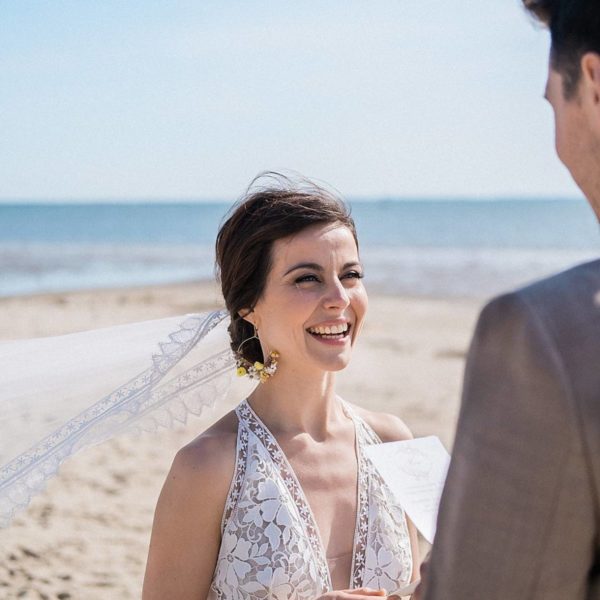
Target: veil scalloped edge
(175,384)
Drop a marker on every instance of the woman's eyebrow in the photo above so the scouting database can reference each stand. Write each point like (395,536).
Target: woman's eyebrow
(313,266)
(317,267)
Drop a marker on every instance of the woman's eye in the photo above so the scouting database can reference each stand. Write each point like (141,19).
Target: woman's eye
(304,278)
(314,278)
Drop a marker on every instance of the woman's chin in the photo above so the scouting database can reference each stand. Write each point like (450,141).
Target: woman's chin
(318,362)
(334,364)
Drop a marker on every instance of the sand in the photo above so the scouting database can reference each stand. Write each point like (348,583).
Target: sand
(86,536)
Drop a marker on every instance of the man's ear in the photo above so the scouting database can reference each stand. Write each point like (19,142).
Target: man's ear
(590,90)
(590,70)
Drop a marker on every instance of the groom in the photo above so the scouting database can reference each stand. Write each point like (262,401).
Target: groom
(520,513)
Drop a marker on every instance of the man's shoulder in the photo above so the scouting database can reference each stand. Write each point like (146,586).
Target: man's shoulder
(560,314)
(572,282)
(570,294)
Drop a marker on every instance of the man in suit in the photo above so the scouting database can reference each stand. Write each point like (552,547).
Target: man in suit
(520,512)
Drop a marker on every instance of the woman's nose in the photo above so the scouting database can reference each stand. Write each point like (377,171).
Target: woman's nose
(336,295)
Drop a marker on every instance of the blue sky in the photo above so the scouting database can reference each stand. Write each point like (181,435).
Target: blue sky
(148,99)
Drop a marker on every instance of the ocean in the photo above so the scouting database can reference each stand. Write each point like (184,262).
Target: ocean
(445,247)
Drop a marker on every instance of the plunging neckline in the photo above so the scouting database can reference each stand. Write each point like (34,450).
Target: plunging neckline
(292,483)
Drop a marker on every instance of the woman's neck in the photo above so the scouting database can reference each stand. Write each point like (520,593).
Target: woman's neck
(294,402)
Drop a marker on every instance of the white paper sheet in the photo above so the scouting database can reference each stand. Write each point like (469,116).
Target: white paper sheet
(405,591)
(415,471)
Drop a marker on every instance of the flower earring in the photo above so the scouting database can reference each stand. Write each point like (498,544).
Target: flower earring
(256,370)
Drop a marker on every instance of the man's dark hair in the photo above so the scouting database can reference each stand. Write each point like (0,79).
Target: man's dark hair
(575,29)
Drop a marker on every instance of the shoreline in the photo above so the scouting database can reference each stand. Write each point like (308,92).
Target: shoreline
(372,289)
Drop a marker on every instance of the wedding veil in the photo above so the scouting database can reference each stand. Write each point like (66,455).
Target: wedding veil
(60,394)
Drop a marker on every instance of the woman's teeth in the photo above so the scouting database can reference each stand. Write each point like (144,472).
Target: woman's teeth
(336,331)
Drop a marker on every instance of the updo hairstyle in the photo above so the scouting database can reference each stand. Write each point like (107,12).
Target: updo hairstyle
(274,207)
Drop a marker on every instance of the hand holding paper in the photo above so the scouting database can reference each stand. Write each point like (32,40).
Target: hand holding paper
(407,590)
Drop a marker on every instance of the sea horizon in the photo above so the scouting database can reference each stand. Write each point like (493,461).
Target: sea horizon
(436,247)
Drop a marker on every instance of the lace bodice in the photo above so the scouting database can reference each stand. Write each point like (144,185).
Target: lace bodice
(270,546)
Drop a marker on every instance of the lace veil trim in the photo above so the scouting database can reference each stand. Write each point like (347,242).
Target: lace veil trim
(178,381)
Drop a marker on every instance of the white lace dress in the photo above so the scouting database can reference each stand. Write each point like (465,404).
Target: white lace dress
(270,546)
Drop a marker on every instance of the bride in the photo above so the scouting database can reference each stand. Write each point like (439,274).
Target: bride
(278,499)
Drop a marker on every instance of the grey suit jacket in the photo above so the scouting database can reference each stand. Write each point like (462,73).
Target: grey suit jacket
(519,517)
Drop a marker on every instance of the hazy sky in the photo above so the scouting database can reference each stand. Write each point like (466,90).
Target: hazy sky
(166,99)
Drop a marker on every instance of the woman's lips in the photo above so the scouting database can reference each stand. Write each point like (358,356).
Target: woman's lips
(338,339)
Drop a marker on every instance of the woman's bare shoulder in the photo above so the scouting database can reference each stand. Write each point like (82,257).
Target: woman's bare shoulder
(390,428)
(203,469)
(211,455)
(186,534)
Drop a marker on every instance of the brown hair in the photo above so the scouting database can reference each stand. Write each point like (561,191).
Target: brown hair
(274,206)
(575,29)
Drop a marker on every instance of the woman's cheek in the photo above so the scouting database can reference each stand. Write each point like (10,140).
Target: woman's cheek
(361,303)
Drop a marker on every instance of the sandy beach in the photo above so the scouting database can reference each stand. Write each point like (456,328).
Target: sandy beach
(86,537)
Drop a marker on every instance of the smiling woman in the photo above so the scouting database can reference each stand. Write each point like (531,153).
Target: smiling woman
(278,499)
(312,312)
(252,239)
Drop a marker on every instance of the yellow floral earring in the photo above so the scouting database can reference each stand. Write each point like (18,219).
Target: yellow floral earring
(256,370)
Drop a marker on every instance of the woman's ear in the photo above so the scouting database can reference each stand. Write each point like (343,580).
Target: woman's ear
(247,314)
